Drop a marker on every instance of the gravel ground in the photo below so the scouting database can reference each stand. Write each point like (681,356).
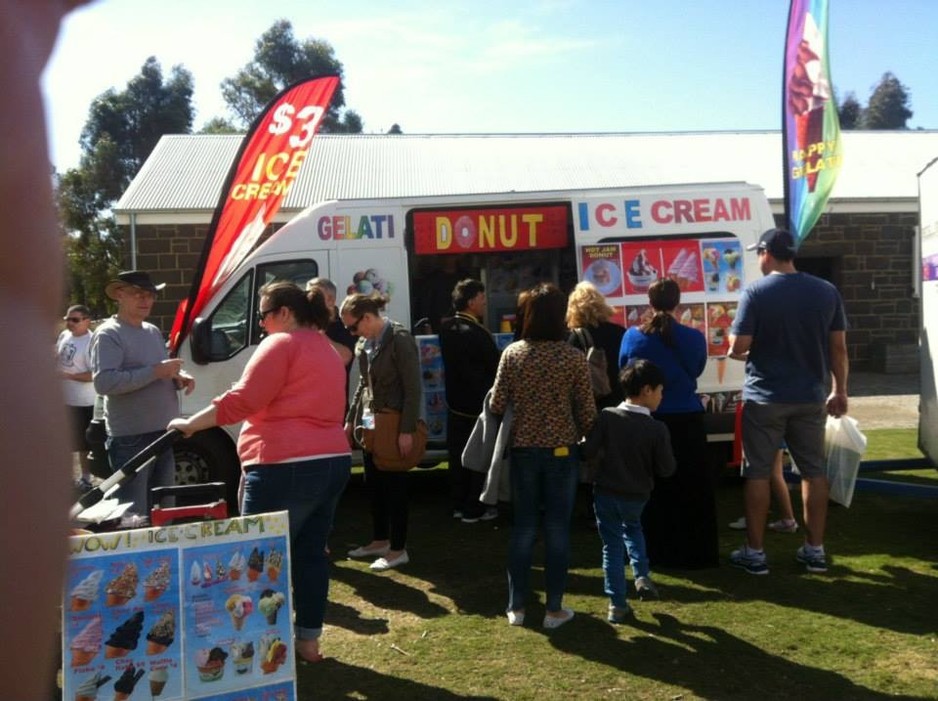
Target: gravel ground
(884,401)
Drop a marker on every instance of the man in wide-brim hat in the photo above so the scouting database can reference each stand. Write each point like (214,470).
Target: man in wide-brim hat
(132,278)
(132,370)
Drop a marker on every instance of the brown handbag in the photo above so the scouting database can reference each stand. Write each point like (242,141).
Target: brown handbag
(381,442)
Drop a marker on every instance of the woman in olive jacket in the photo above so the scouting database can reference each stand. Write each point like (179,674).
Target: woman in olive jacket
(389,369)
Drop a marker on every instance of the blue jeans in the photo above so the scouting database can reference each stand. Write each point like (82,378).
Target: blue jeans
(309,491)
(540,480)
(620,526)
(161,473)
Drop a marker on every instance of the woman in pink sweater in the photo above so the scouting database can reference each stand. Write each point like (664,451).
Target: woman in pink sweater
(293,449)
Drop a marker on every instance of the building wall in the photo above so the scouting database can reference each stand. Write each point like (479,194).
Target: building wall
(868,257)
(871,256)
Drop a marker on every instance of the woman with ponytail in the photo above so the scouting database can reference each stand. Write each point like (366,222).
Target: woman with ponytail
(680,518)
(293,450)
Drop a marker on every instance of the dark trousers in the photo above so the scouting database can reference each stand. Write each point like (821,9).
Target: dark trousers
(390,504)
(466,485)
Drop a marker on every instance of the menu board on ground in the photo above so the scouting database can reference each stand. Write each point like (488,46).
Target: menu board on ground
(434,389)
(194,611)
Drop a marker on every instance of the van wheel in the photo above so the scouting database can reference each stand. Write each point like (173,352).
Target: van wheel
(209,457)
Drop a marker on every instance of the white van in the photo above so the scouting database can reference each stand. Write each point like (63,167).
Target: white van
(928,339)
(415,249)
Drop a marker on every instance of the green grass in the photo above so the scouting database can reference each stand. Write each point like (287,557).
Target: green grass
(892,443)
(436,629)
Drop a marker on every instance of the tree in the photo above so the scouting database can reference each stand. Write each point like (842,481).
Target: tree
(888,105)
(850,112)
(395,129)
(280,60)
(121,132)
(219,125)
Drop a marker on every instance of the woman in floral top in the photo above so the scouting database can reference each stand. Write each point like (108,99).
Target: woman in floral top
(546,381)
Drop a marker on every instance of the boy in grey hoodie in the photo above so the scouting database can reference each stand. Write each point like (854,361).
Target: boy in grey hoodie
(633,448)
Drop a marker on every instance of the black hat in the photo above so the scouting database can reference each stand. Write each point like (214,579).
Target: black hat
(132,278)
(779,243)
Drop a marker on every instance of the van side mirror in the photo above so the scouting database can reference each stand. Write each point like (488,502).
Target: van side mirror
(200,339)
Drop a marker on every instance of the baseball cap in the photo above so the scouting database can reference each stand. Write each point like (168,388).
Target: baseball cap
(778,242)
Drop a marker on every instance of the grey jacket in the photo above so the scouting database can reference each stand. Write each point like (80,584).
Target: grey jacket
(395,377)
(487,450)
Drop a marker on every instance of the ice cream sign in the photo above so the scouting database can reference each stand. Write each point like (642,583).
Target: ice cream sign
(204,614)
(600,216)
(490,229)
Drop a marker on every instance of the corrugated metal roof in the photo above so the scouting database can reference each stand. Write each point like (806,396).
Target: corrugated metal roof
(186,172)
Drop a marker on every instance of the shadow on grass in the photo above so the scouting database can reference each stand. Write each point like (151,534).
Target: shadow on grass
(704,659)
(348,681)
(466,563)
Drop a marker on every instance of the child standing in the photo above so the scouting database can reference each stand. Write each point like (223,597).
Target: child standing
(632,448)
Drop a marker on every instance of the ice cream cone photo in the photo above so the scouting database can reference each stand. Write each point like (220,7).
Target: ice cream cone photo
(112,653)
(121,696)
(253,575)
(158,678)
(269,667)
(273,573)
(153,593)
(79,604)
(237,622)
(80,658)
(154,648)
(117,599)
(272,618)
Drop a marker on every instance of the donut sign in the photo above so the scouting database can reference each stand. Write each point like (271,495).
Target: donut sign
(490,229)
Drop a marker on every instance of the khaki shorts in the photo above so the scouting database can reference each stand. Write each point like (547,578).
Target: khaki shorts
(800,426)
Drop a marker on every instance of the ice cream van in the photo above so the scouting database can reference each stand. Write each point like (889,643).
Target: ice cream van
(414,250)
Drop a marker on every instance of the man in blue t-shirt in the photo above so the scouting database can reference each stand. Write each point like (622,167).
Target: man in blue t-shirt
(790,328)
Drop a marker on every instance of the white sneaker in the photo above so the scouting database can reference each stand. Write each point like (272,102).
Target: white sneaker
(551,622)
(515,618)
(739,524)
(382,563)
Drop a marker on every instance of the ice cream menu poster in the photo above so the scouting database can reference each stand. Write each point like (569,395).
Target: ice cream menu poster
(195,611)
(434,389)
(697,265)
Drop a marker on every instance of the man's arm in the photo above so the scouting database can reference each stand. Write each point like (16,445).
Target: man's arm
(840,365)
(739,346)
(110,377)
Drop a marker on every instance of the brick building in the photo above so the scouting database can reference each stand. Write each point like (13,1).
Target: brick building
(865,242)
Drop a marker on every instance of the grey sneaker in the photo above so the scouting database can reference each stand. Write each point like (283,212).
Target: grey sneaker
(646,589)
(783,525)
(749,560)
(812,561)
(620,614)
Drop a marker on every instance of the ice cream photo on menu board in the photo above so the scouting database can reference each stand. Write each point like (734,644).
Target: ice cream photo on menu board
(602,266)
(642,262)
(682,264)
(722,269)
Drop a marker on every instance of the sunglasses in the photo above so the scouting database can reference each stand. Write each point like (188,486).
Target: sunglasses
(74,319)
(353,328)
(262,316)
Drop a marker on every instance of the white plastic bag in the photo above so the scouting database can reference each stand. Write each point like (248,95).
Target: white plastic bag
(844,445)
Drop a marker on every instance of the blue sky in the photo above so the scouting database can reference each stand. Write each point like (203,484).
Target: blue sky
(502,67)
